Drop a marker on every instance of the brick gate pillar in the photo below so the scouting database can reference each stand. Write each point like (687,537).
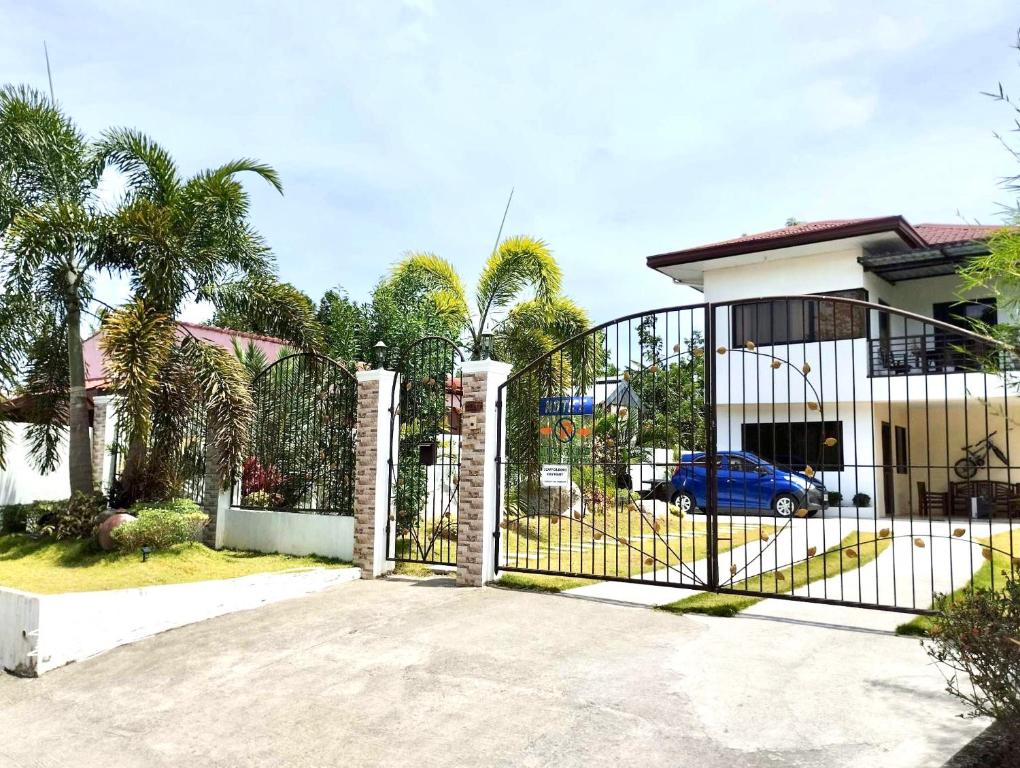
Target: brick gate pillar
(476,504)
(371,473)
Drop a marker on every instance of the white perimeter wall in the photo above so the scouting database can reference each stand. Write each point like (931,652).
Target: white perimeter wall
(41,632)
(289,533)
(21,483)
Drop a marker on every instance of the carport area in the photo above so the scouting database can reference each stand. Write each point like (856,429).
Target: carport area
(416,672)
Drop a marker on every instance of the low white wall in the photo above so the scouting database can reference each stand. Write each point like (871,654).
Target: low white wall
(21,483)
(42,632)
(289,533)
(19,625)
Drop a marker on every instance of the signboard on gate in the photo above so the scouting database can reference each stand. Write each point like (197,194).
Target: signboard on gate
(555,476)
(566,406)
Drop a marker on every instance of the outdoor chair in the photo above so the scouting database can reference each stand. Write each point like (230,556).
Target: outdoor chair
(932,503)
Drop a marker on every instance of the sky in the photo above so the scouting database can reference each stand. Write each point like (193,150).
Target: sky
(624,129)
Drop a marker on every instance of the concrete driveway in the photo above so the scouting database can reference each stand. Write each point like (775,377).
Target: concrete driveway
(405,672)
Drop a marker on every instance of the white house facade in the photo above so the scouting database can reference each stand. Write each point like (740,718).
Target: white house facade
(880,397)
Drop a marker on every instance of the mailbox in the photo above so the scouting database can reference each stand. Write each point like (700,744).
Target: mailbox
(427,454)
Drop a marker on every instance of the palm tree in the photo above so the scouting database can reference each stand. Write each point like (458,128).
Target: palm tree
(177,239)
(183,240)
(52,237)
(529,326)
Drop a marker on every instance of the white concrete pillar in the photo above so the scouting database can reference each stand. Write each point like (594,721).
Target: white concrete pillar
(372,474)
(104,422)
(476,516)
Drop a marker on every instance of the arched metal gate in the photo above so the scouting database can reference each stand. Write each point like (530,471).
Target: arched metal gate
(303,438)
(816,448)
(425,454)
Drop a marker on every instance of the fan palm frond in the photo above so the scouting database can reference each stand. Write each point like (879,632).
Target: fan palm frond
(150,170)
(518,262)
(222,383)
(136,344)
(275,308)
(439,279)
(46,394)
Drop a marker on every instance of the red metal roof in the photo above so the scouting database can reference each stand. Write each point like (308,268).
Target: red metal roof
(796,229)
(921,236)
(95,365)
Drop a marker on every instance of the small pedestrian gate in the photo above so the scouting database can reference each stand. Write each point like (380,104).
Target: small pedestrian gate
(816,448)
(425,454)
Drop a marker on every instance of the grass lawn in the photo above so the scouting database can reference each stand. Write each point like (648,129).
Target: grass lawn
(50,567)
(536,582)
(920,625)
(625,543)
(864,547)
(711,604)
(431,542)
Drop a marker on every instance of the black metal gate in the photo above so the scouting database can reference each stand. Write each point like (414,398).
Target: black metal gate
(425,454)
(303,438)
(816,448)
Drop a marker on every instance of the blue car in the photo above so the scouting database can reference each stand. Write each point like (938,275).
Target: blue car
(746,482)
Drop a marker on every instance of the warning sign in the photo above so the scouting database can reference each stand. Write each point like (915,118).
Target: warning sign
(555,476)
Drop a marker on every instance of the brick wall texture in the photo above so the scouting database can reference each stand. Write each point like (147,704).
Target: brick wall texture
(365,476)
(211,491)
(470,494)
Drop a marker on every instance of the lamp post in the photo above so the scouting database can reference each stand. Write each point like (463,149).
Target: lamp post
(486,345)
(379,352)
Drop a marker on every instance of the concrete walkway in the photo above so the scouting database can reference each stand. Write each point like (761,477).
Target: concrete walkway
(904,575)
(401,672)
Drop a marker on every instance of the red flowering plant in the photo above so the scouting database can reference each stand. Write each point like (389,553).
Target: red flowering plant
(260,484)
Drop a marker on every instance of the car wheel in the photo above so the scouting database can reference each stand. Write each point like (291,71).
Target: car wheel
(784,505)
(685,501)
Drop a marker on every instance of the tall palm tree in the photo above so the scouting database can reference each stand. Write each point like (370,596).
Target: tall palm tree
(522,326)
(176,239)
(188,240)
(52,236)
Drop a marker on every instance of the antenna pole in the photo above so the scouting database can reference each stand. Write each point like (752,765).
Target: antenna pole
(49,74)
(506,210)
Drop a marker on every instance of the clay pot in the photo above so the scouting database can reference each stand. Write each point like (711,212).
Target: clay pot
(107,526)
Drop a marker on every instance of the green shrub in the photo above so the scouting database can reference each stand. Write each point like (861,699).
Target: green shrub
(14,518)
(861,500)
(260,500)
(25,518)
(835,498)
(180,506)
(161,525)
(977,636)
(73,519)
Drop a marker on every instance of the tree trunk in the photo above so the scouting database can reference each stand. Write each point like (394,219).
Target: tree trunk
(134,470)
(80,442)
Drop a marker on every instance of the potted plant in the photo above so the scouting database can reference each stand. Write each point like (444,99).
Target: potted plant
(861,500)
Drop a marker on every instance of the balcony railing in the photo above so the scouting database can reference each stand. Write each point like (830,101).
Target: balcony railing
(938,353)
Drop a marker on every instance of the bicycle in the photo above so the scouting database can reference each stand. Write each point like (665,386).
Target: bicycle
(977,456)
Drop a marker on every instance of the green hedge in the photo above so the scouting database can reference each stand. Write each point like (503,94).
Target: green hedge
(23,518)
(161,525)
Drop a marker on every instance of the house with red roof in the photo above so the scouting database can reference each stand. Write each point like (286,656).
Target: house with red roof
(859,332)
(20,482)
